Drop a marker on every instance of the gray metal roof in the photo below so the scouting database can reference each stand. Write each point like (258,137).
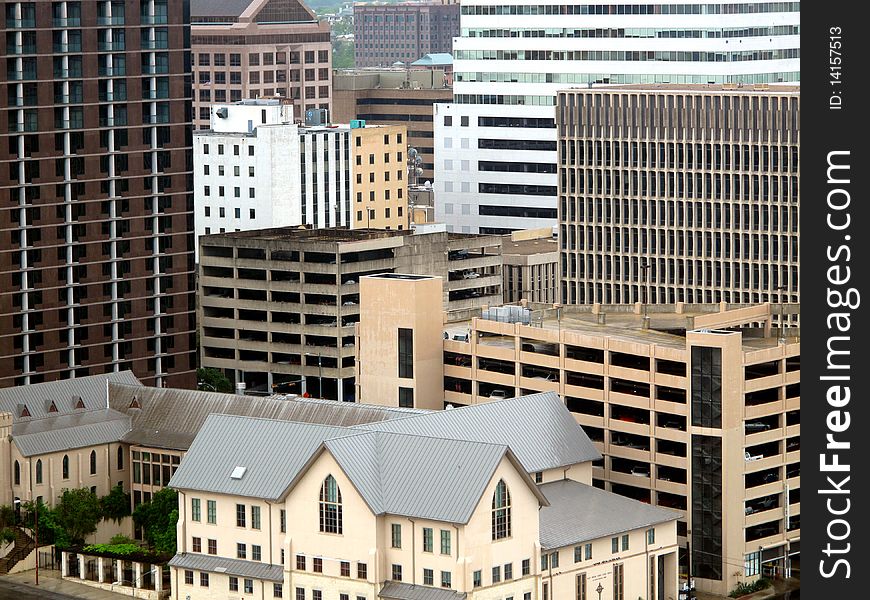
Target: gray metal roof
(394,590)
(65,432)
(418,477)
(538,429)
(273,452)
(218,8)
(38,397)
(228,566)
(170,418)
(581,513)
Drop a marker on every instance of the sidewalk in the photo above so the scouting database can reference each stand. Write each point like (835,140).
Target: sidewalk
(778,590)
(50,581)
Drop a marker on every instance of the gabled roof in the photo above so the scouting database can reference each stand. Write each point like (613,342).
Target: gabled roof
(436,59)
(273,452)
(228,566)
(538,428)
(420,477)
(170,418)
(581,513)
(69,431)
(38,397)
(394,590)
(440,479)
(266,11)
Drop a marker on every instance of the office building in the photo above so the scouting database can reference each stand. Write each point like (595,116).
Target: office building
(487,509)
(679,193)
(243,49)
(394,97)
(96,237)
(256,168)
(531,266)
(496,143)
(693,407)
(278,306)
(385,34)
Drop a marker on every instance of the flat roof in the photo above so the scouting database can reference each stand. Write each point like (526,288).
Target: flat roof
(530,247)
(328,234)
(738,88)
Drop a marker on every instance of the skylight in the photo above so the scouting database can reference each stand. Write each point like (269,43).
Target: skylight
(238,472)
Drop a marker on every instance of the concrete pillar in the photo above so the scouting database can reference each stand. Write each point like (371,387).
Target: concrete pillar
(64,564)
(158,578)
(81,567)
(101,574)
(137,575)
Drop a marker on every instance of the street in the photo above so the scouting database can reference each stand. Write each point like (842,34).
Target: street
(10,590)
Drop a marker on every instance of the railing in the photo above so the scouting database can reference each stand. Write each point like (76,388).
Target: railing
(63,48)
(28,23)
(155,20)
(67,22)
(113,20)
(21,48)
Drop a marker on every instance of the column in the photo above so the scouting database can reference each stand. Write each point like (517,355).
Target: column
(101,576)
(81,566)
(158,579)
(137,575)
(64,564)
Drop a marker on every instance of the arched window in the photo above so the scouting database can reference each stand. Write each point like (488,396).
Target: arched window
(93,462)
(330,506)
(65,466)
(120,458)
(39,471)
(501,512)
(17,473)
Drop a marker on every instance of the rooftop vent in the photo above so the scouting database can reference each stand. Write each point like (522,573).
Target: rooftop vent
(222,112)
(238,472)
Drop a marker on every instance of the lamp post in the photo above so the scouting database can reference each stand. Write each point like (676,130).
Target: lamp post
(781,337)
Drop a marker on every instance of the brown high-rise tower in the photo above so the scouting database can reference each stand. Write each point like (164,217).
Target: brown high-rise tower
(96,223)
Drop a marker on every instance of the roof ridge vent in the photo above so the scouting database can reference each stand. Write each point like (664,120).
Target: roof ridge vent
(238,472)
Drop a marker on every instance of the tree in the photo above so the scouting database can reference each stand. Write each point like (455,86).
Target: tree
(50,532)
(158,519)
(213,380)
(78,514)
(116,504)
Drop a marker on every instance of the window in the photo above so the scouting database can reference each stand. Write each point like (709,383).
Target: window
(539,477)
(212,546)
(618,582)
(39,471)
(406,395)
(234,584)
(345,568)
(362,571)
(120,458)
(256,552)
(17,474)
(578,553)
(463,121)
(283,520)
(397,573)
(554,560)
(205,148)
(241,550)
(614,545)
(448,121)
(545,592)
(396,535)
(406,353)
(496,575)
(300,593)
(588,552)
(277,590)
(317,565)
(300,562)
(477,579)
(625,542)
(203,579)
(501,512)
(508,571)
(526,566)
(581,587)
(196,544)
(255,517)
(220,148)
(249,586)
(65,466)
(651,536)
(240,512)
(446,579)
(211,511)
(195,512)
(545,562)
(188,577)
(316,595)
(428,577)
(330,506)
(252,213)
(445,541)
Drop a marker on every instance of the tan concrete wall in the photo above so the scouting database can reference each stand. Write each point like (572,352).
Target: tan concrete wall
(371,140)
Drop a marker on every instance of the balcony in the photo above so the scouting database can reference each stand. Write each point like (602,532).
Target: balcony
(113,71)
(155,69)
(26,23)
(66,22)
(113,20)
(20,48)
(155,94)
(111,46)
(67,73)
(155,44)
(154,20)
(21,75)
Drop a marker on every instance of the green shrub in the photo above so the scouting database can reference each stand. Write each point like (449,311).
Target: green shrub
(743,589)
(116,549)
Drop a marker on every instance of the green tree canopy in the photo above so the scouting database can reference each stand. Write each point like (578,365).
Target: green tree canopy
(213,380)
(158,519)
(116,504)
(78,514)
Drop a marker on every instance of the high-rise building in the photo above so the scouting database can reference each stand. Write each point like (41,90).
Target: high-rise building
(388,33)
(496,144)
(245,49)
(96,228)
(256,168)
(394,97)
(679,193)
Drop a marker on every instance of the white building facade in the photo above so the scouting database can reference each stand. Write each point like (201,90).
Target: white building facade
(495,163)
(256,168)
